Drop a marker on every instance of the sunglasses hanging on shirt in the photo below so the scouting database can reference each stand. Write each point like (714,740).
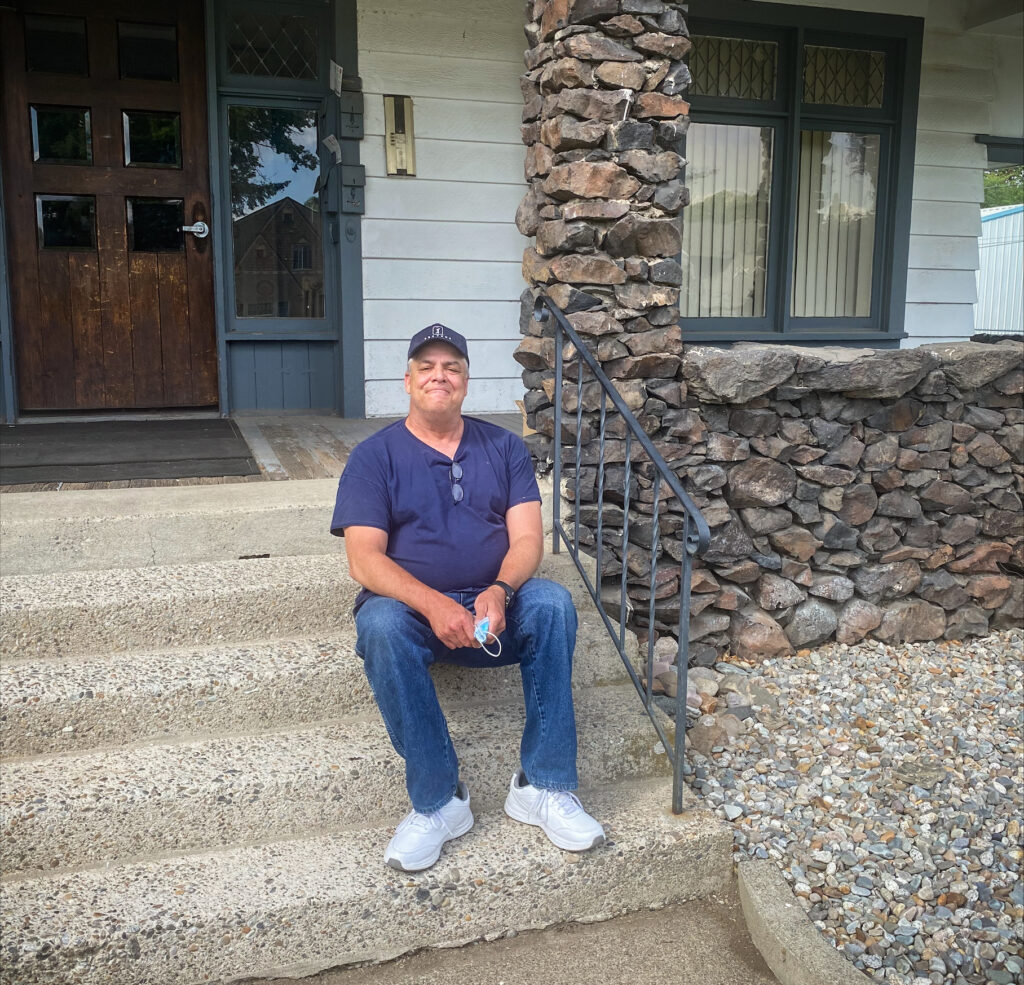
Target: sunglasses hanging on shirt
(455,474)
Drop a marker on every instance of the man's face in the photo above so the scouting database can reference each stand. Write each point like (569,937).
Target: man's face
(437,379)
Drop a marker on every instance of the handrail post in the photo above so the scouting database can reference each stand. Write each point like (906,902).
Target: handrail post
(556,477)
(682,666)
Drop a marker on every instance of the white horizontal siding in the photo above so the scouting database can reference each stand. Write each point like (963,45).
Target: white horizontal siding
(453,119)
(455,160)
(442,201)
(949,150)
(932,321)
(473,319)
(441,280)
(442,76)
(415,239)
(945,219)
(442,245)
(941,286)
(958,87)
(944,252)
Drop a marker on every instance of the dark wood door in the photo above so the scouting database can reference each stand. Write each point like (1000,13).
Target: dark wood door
(105,159)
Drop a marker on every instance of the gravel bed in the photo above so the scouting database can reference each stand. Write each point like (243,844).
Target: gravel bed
(887,781)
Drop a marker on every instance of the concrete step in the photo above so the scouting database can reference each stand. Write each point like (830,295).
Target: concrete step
(297,907)
(123,609)
(90,702)
(118,610)
(66,811)
(128,528)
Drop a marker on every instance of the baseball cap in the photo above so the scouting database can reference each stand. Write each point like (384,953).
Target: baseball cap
(438,333)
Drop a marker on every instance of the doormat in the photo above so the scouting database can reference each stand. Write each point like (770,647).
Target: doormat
(108,451)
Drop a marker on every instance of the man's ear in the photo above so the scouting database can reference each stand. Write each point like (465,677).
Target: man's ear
(408,389)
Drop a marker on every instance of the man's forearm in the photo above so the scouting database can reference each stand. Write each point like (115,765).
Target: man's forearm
(521,562)
(382,576)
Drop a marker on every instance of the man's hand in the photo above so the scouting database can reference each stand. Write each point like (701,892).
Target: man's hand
(490,604)
(452,624)
(369,565)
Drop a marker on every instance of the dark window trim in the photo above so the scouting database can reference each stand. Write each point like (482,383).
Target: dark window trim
(793,27)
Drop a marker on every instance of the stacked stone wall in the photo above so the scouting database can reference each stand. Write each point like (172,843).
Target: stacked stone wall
(851,493)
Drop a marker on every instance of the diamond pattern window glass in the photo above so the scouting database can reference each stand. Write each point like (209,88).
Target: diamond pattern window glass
(737,68)
(844,76)
(279,46)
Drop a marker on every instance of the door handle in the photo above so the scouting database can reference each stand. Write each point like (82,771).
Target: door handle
(198,229)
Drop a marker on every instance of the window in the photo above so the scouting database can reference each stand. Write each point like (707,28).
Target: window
(302,256)
(800,168)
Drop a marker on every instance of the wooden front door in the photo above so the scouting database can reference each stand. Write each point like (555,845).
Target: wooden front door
(105,159)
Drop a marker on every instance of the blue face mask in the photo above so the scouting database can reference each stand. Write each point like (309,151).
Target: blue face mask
(480,633)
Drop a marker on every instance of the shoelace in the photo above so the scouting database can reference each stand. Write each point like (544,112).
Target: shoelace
(423,822)
(565,802)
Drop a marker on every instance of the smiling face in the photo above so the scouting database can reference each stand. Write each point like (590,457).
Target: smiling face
(437,381)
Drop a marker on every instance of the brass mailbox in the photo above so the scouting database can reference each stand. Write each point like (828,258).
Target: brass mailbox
(399,146)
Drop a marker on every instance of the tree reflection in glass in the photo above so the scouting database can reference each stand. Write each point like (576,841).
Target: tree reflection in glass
(275,212)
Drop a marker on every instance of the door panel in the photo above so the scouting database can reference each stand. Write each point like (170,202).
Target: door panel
(104,319)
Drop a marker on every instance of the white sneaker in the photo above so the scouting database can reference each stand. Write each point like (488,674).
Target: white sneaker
(558,813)
(419,838)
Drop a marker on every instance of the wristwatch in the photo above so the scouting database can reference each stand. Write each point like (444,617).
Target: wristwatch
(510,592)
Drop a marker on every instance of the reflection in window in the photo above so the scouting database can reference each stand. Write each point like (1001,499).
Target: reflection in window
(154,225)
(66,222)
(61,135)
(837,199)
(152,140)
(148,51)
(278,257)
(725,228)
(56,44)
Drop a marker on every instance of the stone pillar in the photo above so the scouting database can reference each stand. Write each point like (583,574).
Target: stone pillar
(604,125)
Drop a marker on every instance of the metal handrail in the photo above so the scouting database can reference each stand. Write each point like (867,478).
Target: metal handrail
(696,534)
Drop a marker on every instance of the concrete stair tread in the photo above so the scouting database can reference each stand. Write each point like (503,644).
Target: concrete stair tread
(110,586)
(117,610)
(302,905)
(97,529)
(85,702)
(66,810)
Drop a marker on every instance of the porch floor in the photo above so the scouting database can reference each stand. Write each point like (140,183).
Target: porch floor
(284,446)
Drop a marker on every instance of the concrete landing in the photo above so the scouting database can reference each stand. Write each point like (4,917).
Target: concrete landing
(698,943)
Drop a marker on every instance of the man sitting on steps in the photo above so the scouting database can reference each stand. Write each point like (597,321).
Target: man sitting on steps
(442,521)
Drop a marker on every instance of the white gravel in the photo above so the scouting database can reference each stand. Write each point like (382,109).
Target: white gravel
(888,783)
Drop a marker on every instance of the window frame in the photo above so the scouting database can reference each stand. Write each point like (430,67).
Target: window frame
(896,120)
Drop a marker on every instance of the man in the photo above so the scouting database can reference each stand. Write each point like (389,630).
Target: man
(442,522)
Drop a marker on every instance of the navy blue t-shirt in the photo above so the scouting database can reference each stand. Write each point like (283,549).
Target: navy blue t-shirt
(399,484)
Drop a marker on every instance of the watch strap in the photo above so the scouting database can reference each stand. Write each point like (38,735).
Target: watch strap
(510,592)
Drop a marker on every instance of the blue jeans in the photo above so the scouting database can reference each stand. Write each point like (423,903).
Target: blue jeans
(398,646)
